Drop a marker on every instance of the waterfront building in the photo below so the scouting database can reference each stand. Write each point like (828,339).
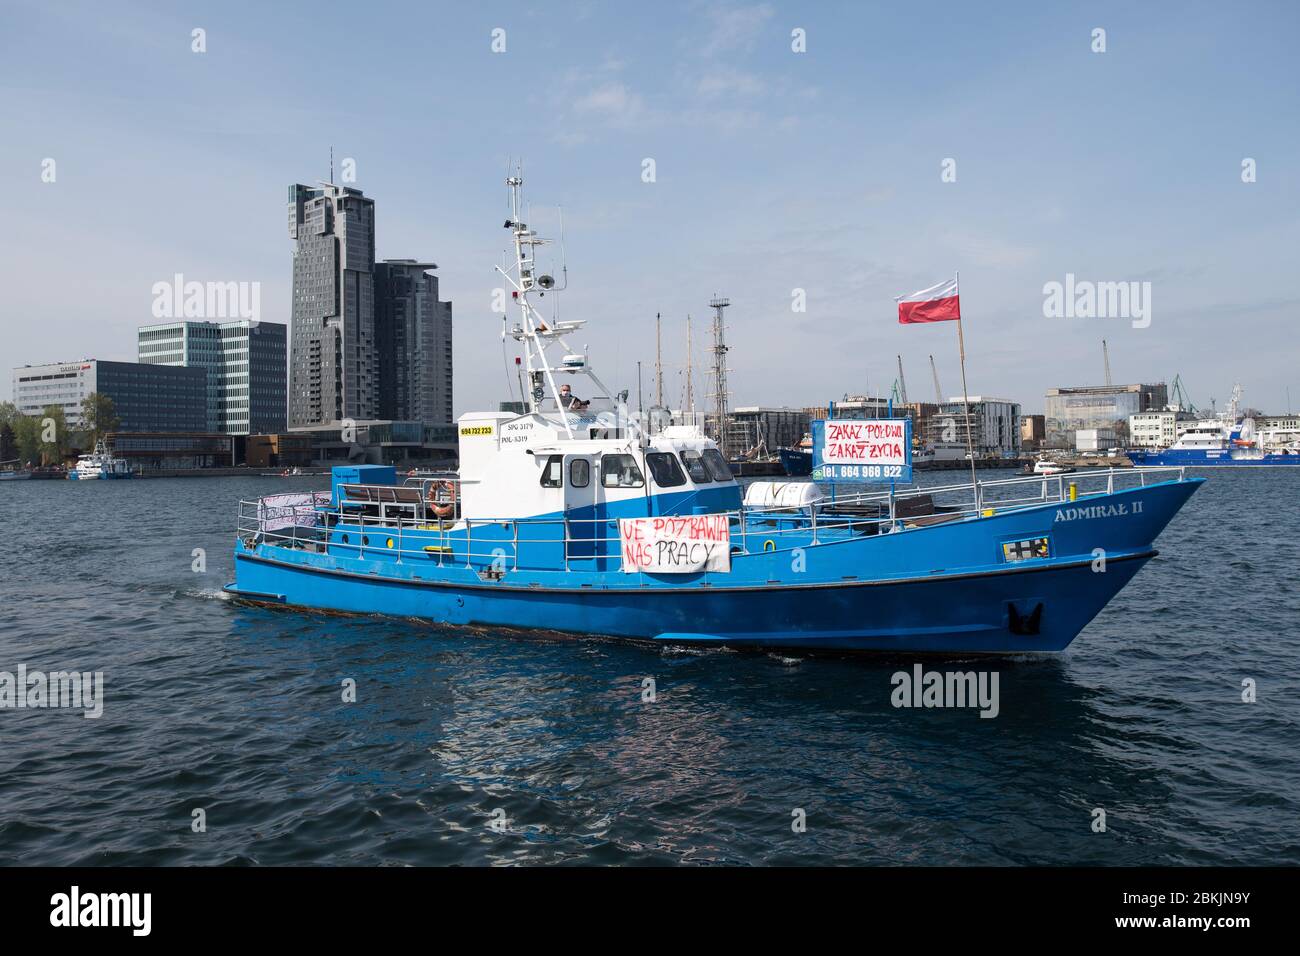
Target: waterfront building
(858,406)
(380,442)
(413,343)
(920,413)
(166,451)
(37,387)
(1094,439)
(332,354)
(1158,429)
(245,364)
(773,427)
(993,425)
(1032,432)
(1288,423)
(278,450)
(1067,410)
(146,398)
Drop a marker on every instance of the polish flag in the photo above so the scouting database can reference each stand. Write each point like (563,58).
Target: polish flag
(939,303)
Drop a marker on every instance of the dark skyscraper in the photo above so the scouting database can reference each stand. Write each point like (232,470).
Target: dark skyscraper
(332,365)
(413,342)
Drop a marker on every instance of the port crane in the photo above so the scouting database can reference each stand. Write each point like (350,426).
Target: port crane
(902,382)
(1105,361)
(1178,394)
(938,392)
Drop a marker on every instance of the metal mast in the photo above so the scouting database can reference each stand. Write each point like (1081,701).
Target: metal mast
(1235,404)
(938,392)
(659,364)
(532,330)
(720,395)
(902,382)
(690,370)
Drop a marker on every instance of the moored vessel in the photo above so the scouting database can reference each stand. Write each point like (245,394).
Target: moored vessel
(797,461)
(1225,441)
(99,464)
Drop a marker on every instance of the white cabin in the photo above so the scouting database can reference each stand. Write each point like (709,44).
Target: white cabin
(516,466)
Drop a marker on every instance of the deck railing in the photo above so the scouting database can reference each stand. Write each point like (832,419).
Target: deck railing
(839,514)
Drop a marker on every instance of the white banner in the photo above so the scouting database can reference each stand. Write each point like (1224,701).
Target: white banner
(285,511)
(880,441)
(684,545)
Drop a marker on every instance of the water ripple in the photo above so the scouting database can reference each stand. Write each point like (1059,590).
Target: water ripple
(475,747)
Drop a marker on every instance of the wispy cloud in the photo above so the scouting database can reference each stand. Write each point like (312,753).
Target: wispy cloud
(732,27)
(612,100)
(726,82)
(984,249)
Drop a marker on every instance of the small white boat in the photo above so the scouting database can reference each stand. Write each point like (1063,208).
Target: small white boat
(1045,466)
(99,464)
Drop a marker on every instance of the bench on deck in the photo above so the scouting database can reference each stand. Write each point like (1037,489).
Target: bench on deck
(384,502)
(920,511)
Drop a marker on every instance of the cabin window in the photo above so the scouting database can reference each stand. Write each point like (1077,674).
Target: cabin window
(664,469)
(717,465)
(620,471)
(553,471)
(579,473)
(695,467)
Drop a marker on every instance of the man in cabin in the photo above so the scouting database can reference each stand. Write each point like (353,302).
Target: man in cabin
(570,401)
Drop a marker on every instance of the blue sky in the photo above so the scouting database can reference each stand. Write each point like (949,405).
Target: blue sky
(775,171)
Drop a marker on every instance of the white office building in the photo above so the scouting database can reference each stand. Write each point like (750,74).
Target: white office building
(1157,429)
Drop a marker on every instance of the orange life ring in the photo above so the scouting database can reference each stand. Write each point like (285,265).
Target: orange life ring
(443,509)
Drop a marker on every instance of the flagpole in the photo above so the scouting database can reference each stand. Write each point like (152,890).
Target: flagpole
(965,398)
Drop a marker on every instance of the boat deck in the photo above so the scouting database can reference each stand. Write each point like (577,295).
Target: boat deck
(396,523)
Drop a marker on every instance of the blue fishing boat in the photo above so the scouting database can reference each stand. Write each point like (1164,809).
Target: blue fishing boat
(578,517)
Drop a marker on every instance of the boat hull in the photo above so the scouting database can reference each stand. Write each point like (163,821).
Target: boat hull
(797,463)
(976,613)
(1196,458)
(978,604)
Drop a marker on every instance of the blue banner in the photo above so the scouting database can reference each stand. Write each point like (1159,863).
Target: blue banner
(862,450)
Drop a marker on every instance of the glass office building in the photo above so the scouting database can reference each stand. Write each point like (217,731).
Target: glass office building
(146,398)
(1069,410)
(245,363)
